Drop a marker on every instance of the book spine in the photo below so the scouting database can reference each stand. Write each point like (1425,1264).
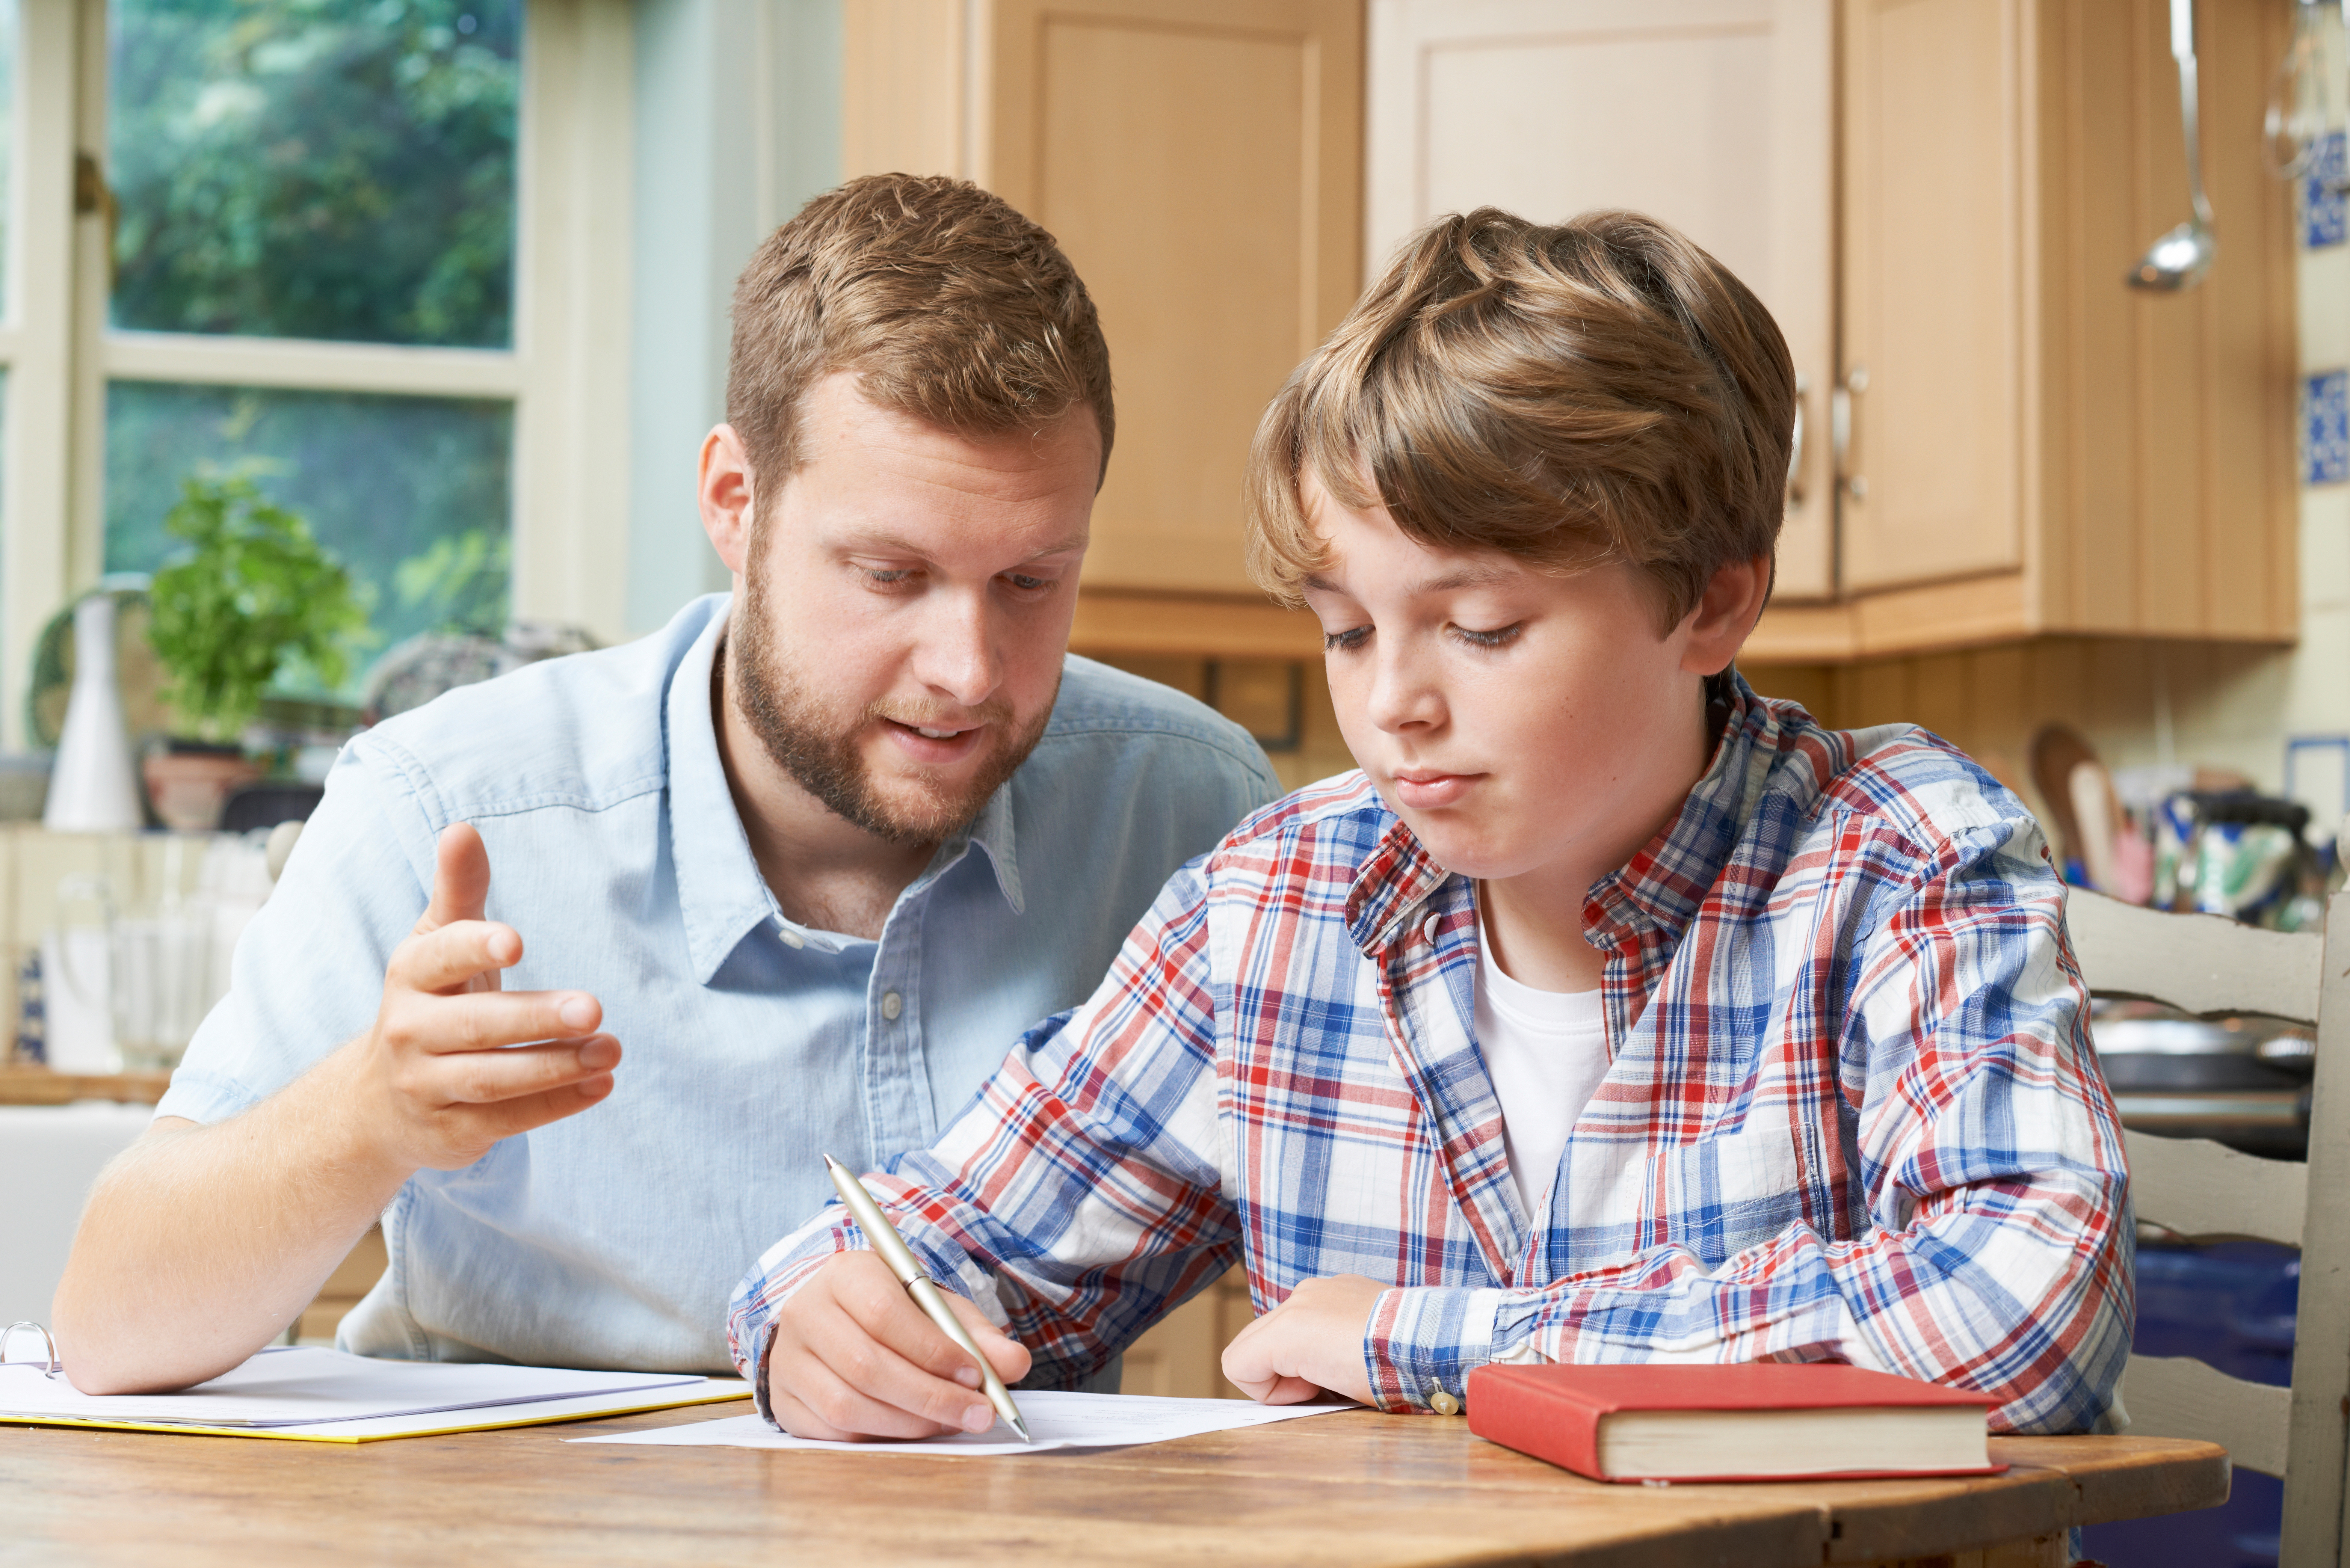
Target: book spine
(1510,1412)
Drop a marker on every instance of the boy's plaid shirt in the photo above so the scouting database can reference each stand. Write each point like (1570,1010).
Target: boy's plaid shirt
(1852,1113)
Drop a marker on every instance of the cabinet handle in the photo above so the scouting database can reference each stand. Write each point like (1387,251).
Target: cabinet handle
(1840,431)
(1795,447)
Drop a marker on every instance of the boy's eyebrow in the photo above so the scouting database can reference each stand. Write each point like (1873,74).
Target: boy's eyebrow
(1463,577)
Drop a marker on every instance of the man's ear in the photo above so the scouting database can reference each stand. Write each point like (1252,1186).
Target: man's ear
(727,497)
(1725,613)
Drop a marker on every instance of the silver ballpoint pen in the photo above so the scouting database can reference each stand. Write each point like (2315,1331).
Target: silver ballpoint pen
(891,1248)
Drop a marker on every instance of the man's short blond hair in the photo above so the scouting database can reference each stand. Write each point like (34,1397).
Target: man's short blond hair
(1599,391)
(946,304)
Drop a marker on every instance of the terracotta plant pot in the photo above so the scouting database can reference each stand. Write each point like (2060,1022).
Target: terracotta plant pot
(188,786)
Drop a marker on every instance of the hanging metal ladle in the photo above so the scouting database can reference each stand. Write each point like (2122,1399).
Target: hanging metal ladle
(2180,258)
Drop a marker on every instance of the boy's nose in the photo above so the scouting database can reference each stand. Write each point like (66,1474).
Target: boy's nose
(1402,697)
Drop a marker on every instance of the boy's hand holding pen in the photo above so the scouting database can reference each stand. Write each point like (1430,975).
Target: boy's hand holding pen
(854,1356)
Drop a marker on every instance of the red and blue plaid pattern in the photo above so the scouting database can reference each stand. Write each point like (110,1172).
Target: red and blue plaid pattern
(1851,1112)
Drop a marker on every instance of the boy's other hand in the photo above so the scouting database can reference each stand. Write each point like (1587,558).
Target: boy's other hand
(854,1358)
(454,1062)
(1310,1343)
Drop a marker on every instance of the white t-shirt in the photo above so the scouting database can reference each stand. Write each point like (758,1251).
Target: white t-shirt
(1547,1050)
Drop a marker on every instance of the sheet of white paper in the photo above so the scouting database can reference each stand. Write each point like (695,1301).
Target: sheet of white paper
(306,1385)
(1059,1420)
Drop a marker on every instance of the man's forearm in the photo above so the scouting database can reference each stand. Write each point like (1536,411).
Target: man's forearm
(201,1242)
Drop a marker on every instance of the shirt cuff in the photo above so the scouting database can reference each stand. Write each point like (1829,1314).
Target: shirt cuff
(751,1329)
(1425,1340)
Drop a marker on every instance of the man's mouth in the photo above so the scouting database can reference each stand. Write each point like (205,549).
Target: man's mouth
(935,744)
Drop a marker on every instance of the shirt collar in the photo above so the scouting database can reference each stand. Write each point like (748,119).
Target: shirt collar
(993,833)
(1658,891)
(722,896)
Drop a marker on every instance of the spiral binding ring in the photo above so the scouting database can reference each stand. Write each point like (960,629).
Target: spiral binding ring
(53,1368)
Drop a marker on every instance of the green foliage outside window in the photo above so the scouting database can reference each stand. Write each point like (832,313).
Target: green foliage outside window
(463,579)
(327,168)
(252,592)
(411,495)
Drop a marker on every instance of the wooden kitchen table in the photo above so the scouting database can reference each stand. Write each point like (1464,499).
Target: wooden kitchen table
(1356,1488)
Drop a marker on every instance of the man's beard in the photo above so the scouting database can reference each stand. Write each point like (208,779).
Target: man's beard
(822,754)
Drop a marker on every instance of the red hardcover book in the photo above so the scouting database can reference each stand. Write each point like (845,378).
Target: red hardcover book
(1763,1421)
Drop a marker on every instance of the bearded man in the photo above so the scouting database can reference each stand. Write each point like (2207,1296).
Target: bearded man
(817,853)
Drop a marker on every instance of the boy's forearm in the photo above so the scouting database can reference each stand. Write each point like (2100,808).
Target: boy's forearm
(1949,1298)
(201,1242)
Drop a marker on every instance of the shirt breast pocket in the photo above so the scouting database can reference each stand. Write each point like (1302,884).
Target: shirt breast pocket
(1721,1195)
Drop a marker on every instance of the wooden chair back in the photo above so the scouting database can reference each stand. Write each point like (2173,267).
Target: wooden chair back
(2200,1190)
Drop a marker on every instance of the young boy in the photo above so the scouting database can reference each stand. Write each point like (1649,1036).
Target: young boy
(1610,1012)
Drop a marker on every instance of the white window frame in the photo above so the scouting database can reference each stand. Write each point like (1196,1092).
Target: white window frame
(567,373)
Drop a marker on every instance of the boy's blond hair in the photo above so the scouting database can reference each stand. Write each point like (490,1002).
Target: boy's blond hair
(948,303)
(1597,391)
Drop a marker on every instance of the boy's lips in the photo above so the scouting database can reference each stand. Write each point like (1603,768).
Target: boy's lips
(1427,788)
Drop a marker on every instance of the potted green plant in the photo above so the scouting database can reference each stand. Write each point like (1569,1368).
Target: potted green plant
(253,593)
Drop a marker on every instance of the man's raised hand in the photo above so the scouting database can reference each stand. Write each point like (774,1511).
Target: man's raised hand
(454,1063)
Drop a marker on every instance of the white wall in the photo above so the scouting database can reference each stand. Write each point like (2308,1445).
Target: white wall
(738,122)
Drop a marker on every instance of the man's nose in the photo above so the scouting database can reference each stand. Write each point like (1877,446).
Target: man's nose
(961,655)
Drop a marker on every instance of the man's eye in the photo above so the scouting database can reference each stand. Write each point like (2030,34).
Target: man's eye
(1497,637)
(1344,641)
(1025,583)
(886,577)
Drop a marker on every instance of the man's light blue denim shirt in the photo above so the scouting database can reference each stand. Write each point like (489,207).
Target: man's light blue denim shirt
(753,1046)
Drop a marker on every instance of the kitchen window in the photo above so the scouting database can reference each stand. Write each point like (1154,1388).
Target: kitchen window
(373,252)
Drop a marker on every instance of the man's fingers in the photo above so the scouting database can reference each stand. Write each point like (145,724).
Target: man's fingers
(461,879)
(490,1020)
(450,958)
(507,1118)
(494,1077)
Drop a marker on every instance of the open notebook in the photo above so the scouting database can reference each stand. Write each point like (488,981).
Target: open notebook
(321,1394)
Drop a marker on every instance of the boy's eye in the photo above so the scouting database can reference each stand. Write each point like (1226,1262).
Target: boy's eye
(1344,641)
(1493,638)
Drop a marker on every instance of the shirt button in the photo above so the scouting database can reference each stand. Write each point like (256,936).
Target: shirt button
(892,1004)
(1443,1403)
(792,938)
(1428,929)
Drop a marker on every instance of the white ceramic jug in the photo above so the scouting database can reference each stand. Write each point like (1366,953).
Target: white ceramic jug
(95,786)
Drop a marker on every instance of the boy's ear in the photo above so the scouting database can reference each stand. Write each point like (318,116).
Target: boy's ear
(1725,613)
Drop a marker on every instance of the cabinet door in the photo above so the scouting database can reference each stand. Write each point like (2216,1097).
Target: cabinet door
(1716,116)
(1200,163)
(1934,252)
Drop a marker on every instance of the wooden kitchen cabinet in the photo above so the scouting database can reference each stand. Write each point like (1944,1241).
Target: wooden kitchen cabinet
(1938,200)
(1200,163)
(1717,116)
(2034,447)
